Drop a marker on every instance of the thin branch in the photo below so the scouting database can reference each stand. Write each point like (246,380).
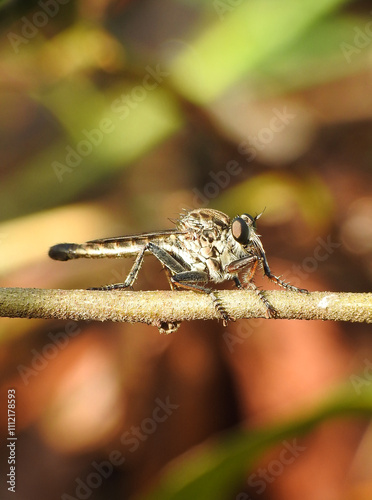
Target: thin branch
(159,307)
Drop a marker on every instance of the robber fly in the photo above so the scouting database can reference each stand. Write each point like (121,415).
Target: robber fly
(206,246)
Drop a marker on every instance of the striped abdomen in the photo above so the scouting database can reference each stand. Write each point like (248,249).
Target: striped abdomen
(123,246)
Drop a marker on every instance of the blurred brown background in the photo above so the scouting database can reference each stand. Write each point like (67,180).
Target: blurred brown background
(114,116)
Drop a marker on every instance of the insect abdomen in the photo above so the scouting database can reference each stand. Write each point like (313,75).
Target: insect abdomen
(64,251)
(92,250)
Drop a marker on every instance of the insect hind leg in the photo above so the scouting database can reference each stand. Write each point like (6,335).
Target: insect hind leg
(130,279)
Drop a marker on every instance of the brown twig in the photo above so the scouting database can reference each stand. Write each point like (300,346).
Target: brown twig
(156,307)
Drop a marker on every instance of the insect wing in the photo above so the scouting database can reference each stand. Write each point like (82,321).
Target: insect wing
(138,237)
(131,244)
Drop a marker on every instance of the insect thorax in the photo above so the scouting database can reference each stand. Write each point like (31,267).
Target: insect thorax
(208,243)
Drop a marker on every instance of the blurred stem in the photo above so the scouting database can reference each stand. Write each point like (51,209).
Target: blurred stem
(155,307)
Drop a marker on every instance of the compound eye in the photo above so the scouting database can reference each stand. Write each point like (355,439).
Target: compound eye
(240,230)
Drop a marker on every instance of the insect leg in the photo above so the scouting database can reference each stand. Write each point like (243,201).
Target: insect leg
(182,278)
(131,278)
(278,281)
(165,258)
(239,264)
(187,280)
(168,326)
(237,282)
(172,267)
(253,261)
(179,276)
(270,311)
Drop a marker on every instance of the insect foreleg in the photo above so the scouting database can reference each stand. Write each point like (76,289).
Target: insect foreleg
(280,282)
(285,285)
(239,264)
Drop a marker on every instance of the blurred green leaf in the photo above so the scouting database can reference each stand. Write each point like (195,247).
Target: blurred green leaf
(49,179)
(241,40)
(316,57)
